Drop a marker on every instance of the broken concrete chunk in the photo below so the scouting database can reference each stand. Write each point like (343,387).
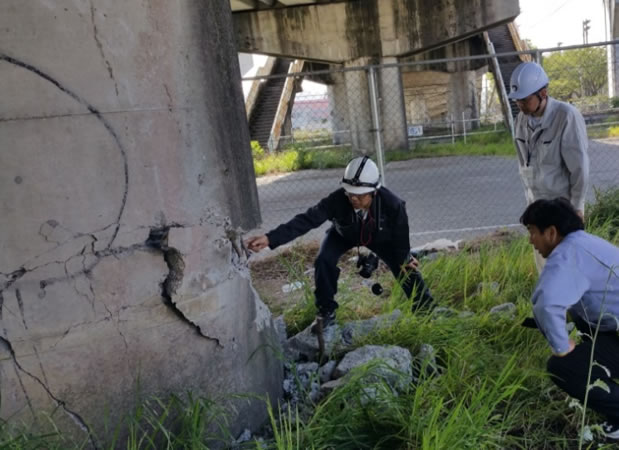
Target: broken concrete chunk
(397,360)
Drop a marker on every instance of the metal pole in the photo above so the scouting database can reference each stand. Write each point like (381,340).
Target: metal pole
(453,137)
(464,126)
(380,154)
(500,85)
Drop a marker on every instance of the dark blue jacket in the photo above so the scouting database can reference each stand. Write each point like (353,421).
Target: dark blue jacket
(386,224)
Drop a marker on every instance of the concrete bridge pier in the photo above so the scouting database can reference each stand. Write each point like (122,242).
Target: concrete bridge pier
(392,107)
(338,109)
(358,101)
(349,101)
(463,102)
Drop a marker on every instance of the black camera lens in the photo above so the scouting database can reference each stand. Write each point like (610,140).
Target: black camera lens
(368,264)
(377,289)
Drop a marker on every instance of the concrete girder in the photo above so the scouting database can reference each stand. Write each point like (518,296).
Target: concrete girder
(340,32)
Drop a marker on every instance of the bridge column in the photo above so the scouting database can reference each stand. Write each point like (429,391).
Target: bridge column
(358,100)
(393,110)
(338,109)
(464,99)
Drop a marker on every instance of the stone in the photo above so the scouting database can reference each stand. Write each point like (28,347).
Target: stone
(442,311)
(358,329)
(424,363)
(397,370)
(305,344)
(325,372)
(504,309)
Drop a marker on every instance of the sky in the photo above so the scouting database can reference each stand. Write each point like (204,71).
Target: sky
(548,22)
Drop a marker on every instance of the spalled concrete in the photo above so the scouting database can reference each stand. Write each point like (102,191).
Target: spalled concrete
(125,172)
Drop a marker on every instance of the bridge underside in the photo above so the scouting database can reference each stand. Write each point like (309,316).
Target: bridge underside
(338,32)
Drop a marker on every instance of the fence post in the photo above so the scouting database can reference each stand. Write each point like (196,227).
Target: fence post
(453,136)
(378,136)
(464,126)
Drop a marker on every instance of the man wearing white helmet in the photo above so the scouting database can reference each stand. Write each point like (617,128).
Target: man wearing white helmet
(362,213)
(551,142)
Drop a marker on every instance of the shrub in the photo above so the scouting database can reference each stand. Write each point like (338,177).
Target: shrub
(604,213)
(256,150)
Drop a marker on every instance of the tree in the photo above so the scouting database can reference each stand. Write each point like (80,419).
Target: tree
(577,73)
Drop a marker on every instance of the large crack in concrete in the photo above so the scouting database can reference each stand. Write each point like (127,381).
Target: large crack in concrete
(77,419)
(158,239)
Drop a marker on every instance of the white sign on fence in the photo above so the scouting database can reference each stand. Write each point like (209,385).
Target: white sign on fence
(415,130)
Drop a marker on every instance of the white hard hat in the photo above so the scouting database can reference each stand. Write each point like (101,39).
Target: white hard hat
(361,176)
(527,79)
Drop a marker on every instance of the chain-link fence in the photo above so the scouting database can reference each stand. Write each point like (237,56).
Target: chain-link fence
(439,130)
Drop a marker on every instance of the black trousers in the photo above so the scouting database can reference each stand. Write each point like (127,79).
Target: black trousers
(326,272)
(570,371)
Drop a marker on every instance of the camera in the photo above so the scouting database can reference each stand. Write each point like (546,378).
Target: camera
(368,264)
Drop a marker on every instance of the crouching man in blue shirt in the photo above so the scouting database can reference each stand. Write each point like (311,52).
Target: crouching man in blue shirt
(581,277)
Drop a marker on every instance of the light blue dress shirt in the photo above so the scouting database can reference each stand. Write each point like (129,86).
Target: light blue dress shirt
(581,275)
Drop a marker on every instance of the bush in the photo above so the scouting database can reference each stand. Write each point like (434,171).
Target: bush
(256,150)
(604,213)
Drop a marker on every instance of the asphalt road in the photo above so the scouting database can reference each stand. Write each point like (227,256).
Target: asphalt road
(452,197)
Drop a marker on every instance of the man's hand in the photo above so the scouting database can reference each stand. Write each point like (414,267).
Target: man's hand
(257,243)
(581,214)
(413,264)
(572,346)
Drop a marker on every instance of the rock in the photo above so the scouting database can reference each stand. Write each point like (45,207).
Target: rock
(438,245)
(325,373)
(301,382)
(465,314)
(570,326)
(397,370)
(504,309)
(355,330)
(488,286)
(441,311)
(424,363)
(304,345)
(329,386)
(287,288)
(245,436)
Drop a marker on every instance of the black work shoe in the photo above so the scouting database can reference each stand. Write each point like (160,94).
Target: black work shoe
(327,318)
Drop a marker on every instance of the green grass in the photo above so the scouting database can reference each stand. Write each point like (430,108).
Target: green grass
(302,156)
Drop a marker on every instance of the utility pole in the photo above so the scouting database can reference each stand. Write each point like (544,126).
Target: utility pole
(585,31)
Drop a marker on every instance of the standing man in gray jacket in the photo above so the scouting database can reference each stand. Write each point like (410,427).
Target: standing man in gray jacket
(551,142)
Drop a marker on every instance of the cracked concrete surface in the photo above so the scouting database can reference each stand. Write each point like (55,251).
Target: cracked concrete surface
(120,269)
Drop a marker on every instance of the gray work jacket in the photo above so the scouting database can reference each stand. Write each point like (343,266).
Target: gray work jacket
(553,159)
